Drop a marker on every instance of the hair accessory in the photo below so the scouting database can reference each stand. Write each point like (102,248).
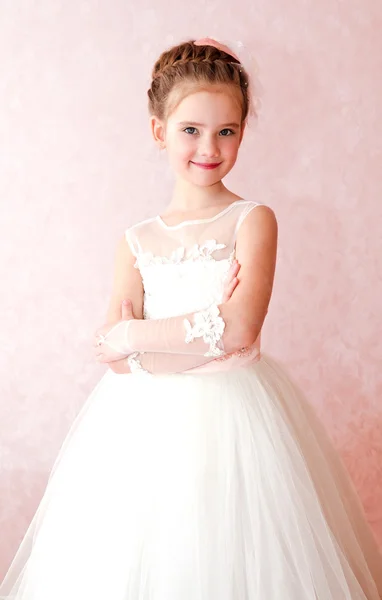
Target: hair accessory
(207,41)
(247,61)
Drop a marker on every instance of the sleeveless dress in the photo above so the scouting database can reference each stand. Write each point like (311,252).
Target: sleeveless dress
(200,485)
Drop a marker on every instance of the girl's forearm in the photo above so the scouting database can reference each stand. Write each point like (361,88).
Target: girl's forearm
(161,363)
(212,332)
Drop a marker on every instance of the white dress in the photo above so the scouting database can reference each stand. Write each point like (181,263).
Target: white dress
(196,485)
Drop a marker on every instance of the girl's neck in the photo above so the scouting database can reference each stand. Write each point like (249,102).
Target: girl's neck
(189,198)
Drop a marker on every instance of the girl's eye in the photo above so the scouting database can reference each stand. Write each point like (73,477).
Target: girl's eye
(194,128)
(230,130)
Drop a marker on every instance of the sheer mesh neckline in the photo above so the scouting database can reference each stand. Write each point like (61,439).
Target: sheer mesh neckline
(195,221)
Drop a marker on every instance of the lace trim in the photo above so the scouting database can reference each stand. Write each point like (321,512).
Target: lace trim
(243,352)
(135,364)
(197,253)
(209,326)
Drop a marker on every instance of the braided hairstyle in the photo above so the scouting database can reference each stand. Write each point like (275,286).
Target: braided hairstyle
(188,68)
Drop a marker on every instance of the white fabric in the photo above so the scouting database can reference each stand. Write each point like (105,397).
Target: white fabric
(198,485)
(173,334)
(181,261)
(183,270)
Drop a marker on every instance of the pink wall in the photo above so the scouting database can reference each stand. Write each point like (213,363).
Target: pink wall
(78,167)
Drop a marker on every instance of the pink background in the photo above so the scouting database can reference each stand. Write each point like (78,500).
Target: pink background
(78,166)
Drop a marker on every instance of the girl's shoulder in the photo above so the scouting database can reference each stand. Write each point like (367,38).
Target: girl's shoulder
(232,216)
(140,224)
(241,206)
(155,236)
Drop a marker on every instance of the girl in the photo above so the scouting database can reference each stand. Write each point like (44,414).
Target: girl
(196,470)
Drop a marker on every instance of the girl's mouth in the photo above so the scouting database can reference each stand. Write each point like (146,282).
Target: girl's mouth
(206,165)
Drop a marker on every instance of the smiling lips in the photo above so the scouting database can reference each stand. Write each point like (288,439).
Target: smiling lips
(206,165)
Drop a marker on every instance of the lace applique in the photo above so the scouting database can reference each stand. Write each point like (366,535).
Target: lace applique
(134,363)
(197,252)
(209,326)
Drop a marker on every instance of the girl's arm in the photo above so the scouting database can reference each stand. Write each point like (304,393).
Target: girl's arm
(128,284)
(162,363)
(222,329)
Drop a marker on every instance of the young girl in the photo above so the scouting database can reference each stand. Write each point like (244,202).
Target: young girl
(196,470)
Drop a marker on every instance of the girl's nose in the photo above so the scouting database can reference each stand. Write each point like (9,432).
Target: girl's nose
(209,147)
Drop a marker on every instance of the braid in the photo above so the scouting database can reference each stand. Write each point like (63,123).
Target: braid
(188,67)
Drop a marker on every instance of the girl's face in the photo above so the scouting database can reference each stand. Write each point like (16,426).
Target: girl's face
(205,128)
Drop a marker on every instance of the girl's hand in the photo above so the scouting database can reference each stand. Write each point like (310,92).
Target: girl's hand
(112,335)
(231,281)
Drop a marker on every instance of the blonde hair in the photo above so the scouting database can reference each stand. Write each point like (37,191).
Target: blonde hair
(187,68)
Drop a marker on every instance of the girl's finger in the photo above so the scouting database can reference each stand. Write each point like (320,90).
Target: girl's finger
(228,291)
(233,285)
(235,267)
(127,311)
(234,270)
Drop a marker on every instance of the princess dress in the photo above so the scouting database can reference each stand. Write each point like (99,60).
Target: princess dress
(216,483)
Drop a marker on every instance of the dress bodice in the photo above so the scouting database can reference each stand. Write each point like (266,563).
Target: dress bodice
(183,267)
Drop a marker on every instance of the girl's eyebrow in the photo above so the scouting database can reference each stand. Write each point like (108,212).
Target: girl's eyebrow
(193,124)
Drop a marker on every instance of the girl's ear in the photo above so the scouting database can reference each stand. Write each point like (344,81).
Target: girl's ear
(242,131)
(158,131)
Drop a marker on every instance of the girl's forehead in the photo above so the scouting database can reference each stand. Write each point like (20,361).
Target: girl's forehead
(215,104)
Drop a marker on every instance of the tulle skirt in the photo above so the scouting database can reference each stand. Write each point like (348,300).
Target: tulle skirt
(221,486)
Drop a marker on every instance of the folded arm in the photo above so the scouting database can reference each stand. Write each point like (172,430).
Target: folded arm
(224,328)
(159,363)
(233,324)
(128,284)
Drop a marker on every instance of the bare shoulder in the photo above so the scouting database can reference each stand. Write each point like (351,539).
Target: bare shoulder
(123,250)
(258,226)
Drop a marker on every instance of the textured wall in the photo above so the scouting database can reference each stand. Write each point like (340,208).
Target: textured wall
(78,166)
